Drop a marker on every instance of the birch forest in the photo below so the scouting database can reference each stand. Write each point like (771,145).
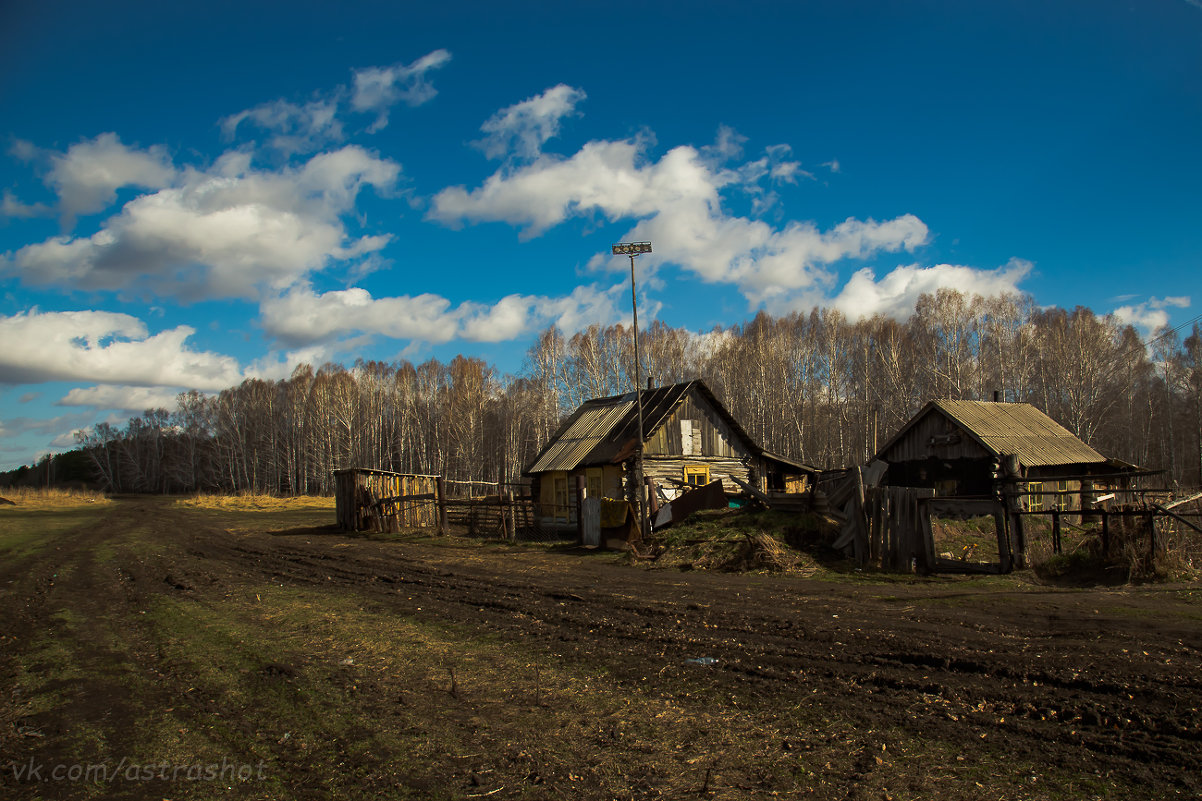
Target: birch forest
(815,387)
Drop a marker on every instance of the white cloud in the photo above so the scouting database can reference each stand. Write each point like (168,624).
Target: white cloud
(276,366)
(678,201)
(304,318)
(122,397)
(377,89)
(523,128)
(23,150)
(306,127)
(65,441)
(1150,315)
(225,232)
(896,294)
(87,176)
(296,128)
(607,177)
(516,315)
(11,207)
(105,347)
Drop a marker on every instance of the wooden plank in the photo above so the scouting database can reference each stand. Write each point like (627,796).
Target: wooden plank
(441,489)
(421,496)
(896,525)
(1175,504)
(847,533)
(752,491)
(926,537)
(1004,549)
(879,512)
(1165,510)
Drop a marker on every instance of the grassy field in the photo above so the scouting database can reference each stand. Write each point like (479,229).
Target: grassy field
(172,638)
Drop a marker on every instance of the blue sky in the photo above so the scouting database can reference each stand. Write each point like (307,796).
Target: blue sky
(197,193)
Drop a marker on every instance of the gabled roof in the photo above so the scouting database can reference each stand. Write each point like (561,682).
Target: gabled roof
(603,430)
(1010,428)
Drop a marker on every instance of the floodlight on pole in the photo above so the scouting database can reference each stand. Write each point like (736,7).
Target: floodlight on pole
(633,249)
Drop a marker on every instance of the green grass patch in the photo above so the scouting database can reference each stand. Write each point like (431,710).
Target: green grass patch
(25,530)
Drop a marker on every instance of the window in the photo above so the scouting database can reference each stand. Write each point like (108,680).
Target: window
(592,478)
(1035,499)
(696,475)
(1062,496)
(561,498)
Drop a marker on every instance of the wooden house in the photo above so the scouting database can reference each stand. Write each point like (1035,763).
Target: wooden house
(689,438)
(957,447)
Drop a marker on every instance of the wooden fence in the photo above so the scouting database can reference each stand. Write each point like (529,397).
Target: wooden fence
(379,500)
(891,527)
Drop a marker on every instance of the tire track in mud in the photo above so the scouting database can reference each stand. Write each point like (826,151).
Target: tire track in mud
(73,615)
(1044,688)
(1041,676)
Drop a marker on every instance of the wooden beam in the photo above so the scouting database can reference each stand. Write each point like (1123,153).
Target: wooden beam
(1175,504)
(1165,510)
(421,496)
(755,493)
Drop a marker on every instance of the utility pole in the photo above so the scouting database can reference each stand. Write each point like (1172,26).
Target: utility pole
(633,249)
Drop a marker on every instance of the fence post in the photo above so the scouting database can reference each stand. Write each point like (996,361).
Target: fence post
(440,488)
(506,512)
(1012,476)
(1055,531)
(1151,541)
(580,491)
(1105,534)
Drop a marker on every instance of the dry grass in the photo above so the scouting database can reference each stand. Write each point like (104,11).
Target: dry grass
(256,503)
(43,498)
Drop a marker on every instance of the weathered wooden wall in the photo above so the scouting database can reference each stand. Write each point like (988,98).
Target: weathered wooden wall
(916,445)
(668,472)
(362,500)
(711,436)
(708,442)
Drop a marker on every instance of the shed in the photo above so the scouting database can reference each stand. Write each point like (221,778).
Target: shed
(366,499)
(956,447)
(689,439)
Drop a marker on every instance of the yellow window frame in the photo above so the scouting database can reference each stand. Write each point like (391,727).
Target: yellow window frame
(562,512)
(1035,501)
(697,475)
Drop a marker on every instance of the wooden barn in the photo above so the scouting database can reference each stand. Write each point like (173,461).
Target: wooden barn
(957,447)
(689,439)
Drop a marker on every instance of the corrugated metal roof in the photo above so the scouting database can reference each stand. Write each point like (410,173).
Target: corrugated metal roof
(592,423)
(604,430)
(1020,429)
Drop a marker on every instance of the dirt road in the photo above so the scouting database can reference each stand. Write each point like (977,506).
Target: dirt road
(763,685)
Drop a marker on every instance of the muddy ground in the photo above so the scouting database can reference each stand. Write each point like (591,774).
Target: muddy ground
(534,672)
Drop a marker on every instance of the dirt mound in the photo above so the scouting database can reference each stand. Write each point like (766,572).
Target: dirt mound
(740,553)
(731,540)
